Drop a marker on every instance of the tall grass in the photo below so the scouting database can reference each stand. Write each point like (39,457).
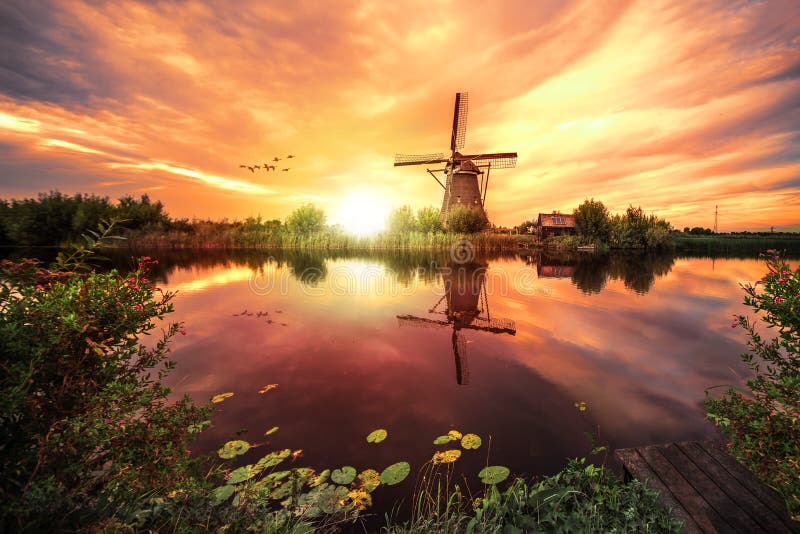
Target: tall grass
(208,236)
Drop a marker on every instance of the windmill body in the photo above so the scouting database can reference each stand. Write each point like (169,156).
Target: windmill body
(466,176)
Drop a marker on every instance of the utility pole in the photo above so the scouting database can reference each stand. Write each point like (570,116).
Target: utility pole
(716,212)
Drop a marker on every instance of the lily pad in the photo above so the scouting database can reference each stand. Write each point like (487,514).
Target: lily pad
(221,397)
(233,449)
(330,497)
(471,441)
(243,473)
(395,473)
(493,474)
(454,434)
(271,431)
(344,476)
(370,479)
(273,458)
(446,457)
(376,436)
(359,499)
(221,494)
(321,478)
(441,440)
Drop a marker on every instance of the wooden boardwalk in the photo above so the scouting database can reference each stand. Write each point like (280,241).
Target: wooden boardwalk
(706,488)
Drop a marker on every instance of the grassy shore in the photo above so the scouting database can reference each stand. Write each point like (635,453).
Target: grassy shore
(243,238)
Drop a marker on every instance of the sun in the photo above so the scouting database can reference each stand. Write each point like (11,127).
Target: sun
(362,213)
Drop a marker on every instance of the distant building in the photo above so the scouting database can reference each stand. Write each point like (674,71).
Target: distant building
(552,224)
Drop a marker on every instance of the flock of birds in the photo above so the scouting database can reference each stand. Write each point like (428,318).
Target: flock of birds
(266,166)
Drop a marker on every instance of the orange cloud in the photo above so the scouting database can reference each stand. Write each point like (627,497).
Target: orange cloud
(676,108)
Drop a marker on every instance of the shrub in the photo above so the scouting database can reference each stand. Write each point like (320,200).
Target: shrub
(305,220)
(465,220)
(592,221)
(429,220)
(401,220)
(85,429)
(763,424)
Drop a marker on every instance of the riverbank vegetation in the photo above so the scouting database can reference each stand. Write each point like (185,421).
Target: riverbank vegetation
(763,422)
(595,225)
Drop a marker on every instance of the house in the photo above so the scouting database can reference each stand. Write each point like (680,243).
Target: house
(552,224)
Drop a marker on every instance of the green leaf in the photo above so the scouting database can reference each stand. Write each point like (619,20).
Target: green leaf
(344,476)
(233,449)
(471,441)
(395,473)
(493,474)
(243,473)
(441,440)
(376,436)
(273,458)
(221,494)
(271,431)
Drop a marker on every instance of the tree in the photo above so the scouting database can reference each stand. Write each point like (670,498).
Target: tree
(428,220)
(592,221)
(306,219)
(465,220)
(402,220)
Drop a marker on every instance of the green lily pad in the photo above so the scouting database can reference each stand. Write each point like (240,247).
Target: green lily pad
(221,494)
(395,473)
(233,449)
(344,476)
(370,479)
(493,474)
(441,440)
(330,497)
(243,473)
(271,431)
(273,458)
(376,436)
(454,434)
(321,478)
(471,441)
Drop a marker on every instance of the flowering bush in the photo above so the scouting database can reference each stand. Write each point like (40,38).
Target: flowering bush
(764,422)
(85,428)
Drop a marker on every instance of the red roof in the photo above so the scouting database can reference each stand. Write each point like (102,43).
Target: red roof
(556,220)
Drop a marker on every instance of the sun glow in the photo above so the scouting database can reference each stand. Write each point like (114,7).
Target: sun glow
(362,213)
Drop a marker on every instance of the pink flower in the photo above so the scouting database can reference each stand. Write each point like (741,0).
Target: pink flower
(733,325)
(785,273)
(137,307)
(118,303)
(145,258)
(778,300)
(183,332)
(132,280)
(155,262)
(781,280)
(136,288)
(39,286)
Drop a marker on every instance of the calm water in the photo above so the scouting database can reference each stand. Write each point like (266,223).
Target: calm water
(417,344)
(502,347)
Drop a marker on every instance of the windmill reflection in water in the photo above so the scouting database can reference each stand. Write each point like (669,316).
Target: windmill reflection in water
(465,306)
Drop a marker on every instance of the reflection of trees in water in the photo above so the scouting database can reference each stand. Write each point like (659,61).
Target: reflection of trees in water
(309,267)
(590,273)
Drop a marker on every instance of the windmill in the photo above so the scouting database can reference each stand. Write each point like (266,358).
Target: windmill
(461,172)
(466,308)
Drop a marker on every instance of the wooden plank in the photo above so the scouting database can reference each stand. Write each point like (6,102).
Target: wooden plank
(741,495)
(708,489)
(635,466)
(694,503)
(766,495)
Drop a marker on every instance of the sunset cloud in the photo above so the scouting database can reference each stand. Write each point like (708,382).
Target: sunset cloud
(674,107)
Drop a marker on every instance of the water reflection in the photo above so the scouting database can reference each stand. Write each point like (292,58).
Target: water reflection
(465,305)
(638,270)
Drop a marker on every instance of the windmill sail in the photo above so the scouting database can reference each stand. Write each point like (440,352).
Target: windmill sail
(418,159)
(459,132)
(504,160)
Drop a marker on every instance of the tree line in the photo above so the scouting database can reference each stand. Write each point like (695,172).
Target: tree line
(632,229)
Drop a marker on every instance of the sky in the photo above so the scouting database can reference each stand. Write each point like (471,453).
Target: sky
(676,107)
